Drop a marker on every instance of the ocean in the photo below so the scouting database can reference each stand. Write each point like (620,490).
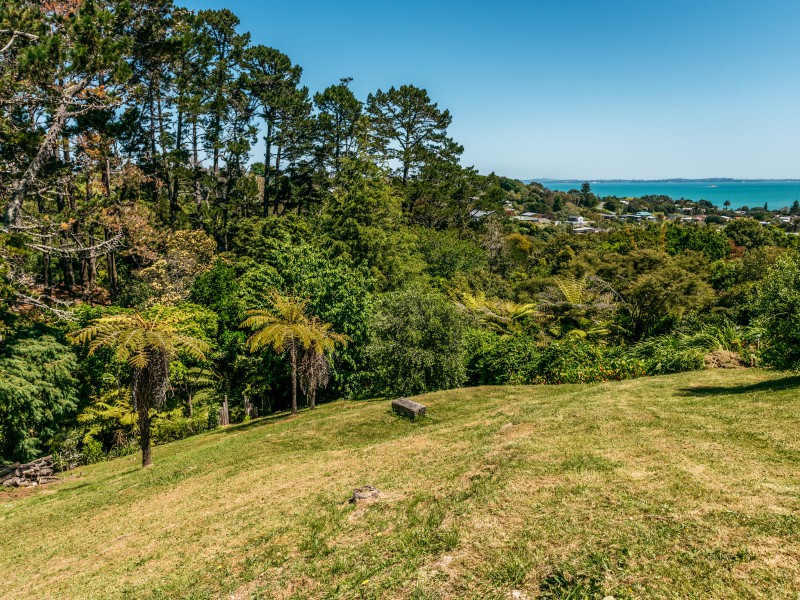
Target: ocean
(775,194)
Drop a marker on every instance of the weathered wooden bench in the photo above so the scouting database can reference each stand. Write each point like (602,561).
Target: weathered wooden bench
(408,408)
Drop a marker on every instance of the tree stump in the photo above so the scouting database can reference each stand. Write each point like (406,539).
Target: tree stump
(224,417)
(408,408)
(366,492)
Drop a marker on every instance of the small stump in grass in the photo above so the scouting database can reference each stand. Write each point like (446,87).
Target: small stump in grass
(367,492)
(408,408)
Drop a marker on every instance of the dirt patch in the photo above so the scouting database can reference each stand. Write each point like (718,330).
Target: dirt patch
(724,359)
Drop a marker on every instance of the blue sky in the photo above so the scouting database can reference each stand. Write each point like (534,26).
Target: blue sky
(583,89)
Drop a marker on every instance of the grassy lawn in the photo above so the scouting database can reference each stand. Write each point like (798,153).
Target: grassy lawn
(679,486)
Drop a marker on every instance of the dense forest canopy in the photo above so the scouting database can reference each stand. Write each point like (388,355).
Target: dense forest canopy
(157,167)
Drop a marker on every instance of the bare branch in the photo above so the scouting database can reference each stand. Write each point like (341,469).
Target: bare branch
(14,36)
(95,251)
(65,315)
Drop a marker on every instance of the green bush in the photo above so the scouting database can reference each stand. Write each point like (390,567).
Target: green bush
(417,343)
(577,361)
(686,349)
(777,310)
(174,426)
(493,359)
(93,452)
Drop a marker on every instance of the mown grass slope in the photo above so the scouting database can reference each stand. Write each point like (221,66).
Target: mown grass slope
(679,486)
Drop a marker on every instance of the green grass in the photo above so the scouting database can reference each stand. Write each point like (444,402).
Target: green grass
(679,486)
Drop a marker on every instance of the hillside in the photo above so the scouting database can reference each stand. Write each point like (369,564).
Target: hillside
(680,486)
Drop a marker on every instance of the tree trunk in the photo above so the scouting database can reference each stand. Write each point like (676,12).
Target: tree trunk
(293,351)
(144,432)
(267,153)
(12,216)
(92,271)
(277,180)
(191,408)
(173,204)
(198,197)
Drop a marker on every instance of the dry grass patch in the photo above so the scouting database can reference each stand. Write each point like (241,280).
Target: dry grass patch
(681,486)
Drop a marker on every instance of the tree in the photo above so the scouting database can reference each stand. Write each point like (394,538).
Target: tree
(315,372)
(290,328)
(409,128)
(417,343)
(588,199)
(38,391)
(339,124)
(65,58)
(652,288)
(727,204)
(365,220)
(146,343)
(777,309)
(750,234)
(272,80)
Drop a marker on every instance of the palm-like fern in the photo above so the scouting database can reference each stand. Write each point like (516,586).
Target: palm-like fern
(289,327)
(580,307)
(501,315)
(146,344)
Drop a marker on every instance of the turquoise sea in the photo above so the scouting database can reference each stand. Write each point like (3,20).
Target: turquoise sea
(776,194)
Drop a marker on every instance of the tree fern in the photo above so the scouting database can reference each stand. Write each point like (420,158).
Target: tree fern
(147,344)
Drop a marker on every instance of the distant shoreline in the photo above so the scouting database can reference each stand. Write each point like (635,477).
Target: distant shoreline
(733,193)
(673,180)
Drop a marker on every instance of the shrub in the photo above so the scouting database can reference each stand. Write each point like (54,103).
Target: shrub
(417,343)
(777,309)
(686,348)
(577,361)
(493,359)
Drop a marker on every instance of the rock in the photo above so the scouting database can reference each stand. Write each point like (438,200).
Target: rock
(366,492)
(409,408)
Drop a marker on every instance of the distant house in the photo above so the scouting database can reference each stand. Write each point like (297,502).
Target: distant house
(642,215)
(478,214)
(576,219)
(530,218)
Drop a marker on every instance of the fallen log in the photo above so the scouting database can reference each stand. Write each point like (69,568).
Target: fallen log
(408,408)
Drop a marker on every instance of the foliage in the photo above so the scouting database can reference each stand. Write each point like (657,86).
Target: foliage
(777,309)
(578,361)
(38,391)
(287,326)
(686,349)
(146,343)
(492,359)
(416,344)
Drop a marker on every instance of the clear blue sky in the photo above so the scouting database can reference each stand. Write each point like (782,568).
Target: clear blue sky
(582,89)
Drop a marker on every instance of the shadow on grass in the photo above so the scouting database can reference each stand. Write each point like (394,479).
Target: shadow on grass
(773,385)
(251,424)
